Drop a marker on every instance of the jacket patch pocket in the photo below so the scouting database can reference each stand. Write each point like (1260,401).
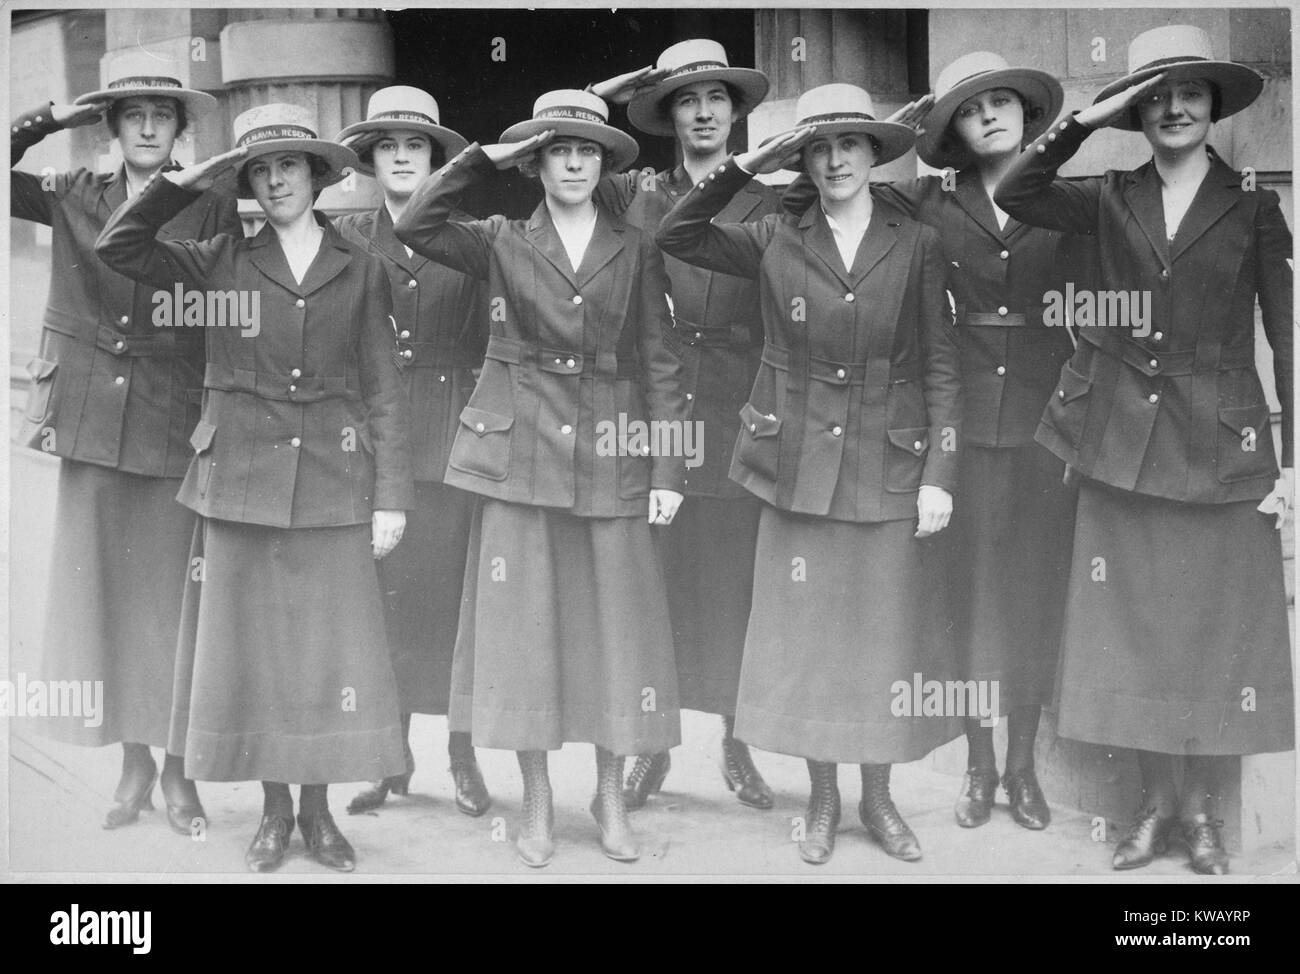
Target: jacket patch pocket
(759,446)
(1067,410)
(905,459)
(1245,443)
(203,462)
(482,445)
(41,372)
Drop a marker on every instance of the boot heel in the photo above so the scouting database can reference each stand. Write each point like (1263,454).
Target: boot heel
(400,784)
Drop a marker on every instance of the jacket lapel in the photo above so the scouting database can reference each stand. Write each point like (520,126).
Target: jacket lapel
(605,244)
(384,239)
(1143,198)
(112,192)
(541,234)
(972,198)
(331,259)
(879,239)
(1215,197)
(817,237)
(265,253)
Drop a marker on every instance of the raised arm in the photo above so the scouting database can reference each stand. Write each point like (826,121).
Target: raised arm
(426,225)
(33,197)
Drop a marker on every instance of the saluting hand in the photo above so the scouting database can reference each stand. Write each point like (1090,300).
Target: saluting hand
(663,505)
(913,113)
(507,154)
(933,509)
(386,529)
(202,175)
(775,154)
(75,116)
(622,88)
(1095,116)
(1281,498)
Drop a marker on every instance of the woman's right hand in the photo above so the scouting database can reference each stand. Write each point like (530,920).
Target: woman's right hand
(75,116)
(913,113)
(622,88)
(773,155)
(200,176)
(504,155)
(1096,116)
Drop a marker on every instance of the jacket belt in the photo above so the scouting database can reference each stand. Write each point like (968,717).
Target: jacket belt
(433,355)
(736,336)
(991,319)
(515,352)
(1205,358)
(115,342)
(837,373)
(271,385)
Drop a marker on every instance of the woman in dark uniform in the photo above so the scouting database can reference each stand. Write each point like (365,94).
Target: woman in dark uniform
(438,341)
(850,436)
(695,96)
(302,475)
(565,634)
(116,398)
(1011,533)
(1176,636)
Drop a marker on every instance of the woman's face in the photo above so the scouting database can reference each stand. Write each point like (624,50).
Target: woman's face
(402,159)
(991,123)
(702,115)
(569,168)
(1176,116)
(146,131)
(840,165)
(282,183)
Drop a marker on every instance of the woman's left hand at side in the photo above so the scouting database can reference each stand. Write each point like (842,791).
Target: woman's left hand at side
(1281,498)
(663,505)
(386,529)
(933,509)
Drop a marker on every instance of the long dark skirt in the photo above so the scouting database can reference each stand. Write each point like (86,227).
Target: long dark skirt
(117,571)
(283,671)
(421,581)
(1009,564)
(848,620)
(1176,636)
(708,558)
(564,634)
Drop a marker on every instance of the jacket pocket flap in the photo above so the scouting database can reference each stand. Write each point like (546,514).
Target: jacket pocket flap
(914,440)
(1245,420)
(201,438)
(758,425)
(39,368)
(1071,385)
(483,422)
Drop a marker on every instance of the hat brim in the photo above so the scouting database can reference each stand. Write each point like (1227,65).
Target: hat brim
(894,138)
(623,149)
(1039,88)
(648,113)
(339,158)
(197,103)
(362,135)
(1238,85)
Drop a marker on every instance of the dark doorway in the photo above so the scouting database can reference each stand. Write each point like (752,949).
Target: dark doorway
(449,53)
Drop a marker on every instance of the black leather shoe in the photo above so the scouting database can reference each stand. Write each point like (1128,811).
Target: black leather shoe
(472,796)
(975,802)
(1028,806)
(127,809)
(1204,844)
(1145,839)
(269,844)
(645,779)
(881,818)
(742,777)
(823,815)
(325,843)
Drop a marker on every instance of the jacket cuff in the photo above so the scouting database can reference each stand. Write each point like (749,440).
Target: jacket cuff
(1060,141)
(397,494)
(473,157)
(161,199)
(669,473)
(36,124)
